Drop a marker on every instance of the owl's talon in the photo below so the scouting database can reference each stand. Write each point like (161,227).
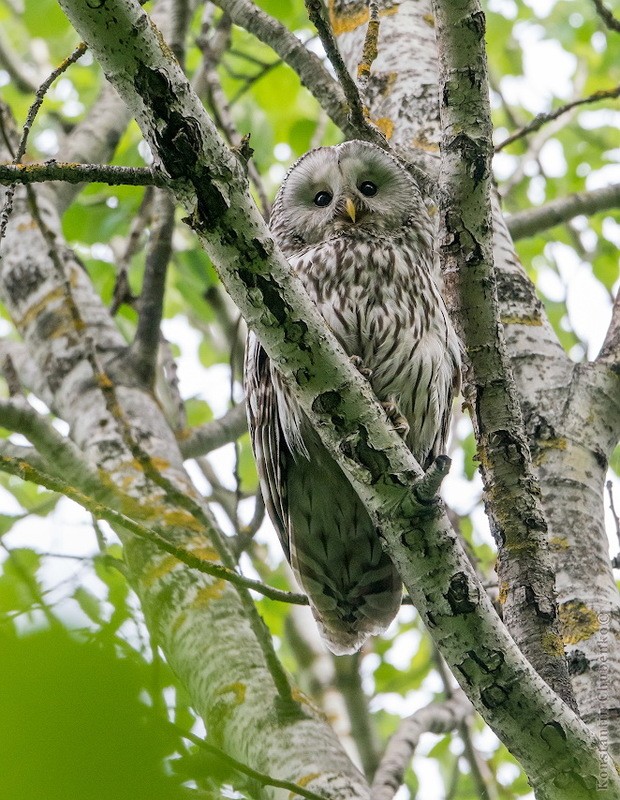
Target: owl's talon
(359,366)
(399,423)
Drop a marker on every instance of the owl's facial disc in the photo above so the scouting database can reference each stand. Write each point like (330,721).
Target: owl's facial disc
(348,188)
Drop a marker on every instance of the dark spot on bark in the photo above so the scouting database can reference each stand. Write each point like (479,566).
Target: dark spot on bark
(493,696)
(553,733)
(482,662)
(458,595)
(477,23)
(327,403)
(577,662)
(471,152)
(375,461)
(23,280)
(430,620)
(154,87)
(271,297)
(302,376)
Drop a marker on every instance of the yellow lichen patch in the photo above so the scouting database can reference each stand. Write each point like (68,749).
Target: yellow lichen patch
(159,570)
(578,622)
(429,19)
(303,700)
(503,593)
(552,644)
(559,543)
(237,689)
(179,518)
(545,445)
(347,22)
(203,551)
(208,593)
(515,319)
(305,780)
(425,144)
(385,125)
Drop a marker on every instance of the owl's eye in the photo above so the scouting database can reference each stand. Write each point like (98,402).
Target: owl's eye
(368,188)
(322,199)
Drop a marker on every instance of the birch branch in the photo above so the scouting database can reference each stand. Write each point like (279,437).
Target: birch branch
(506,689)
(530,222)
(292,51)
(433,718)
(511,488)
(70,172)
(199,441)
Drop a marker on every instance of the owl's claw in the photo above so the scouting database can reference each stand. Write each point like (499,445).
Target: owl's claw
(359,365)
(399,423)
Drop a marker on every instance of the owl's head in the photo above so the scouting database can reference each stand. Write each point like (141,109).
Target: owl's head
(352,186)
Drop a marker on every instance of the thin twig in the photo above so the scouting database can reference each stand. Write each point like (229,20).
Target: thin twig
(145,346)
(316,14)
(151,534)
(199,441)
(32,113)
(610,491)
(229,761)
(112,175)
(605,14)
(542,119)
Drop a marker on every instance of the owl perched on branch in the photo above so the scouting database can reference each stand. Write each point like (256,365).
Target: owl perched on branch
(355,229)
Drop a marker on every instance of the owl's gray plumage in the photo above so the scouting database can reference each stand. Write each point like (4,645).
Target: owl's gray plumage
(367,260)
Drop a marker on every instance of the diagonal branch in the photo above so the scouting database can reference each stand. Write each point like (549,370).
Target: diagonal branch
(606,15)
(433,718)
(508,692)
(530,222)
(542,119)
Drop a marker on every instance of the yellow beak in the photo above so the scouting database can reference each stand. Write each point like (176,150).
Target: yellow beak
(350,208)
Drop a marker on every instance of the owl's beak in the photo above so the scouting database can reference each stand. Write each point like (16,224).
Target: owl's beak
(350,208)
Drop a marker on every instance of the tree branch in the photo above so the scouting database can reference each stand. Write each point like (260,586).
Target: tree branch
(70,172)
(530,222)
(511,488)
(142,354)
(199,441)
(542,119)
(605,14)
(27,471)
(508,692)
(316,13)
(610,351)
(434,718)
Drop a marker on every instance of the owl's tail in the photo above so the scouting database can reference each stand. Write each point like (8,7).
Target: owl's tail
(336,554)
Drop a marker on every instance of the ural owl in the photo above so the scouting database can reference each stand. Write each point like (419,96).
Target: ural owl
(354,227)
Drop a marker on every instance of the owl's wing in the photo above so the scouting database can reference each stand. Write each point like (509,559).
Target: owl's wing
(268,442)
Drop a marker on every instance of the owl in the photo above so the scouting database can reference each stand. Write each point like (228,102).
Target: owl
(355,229)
